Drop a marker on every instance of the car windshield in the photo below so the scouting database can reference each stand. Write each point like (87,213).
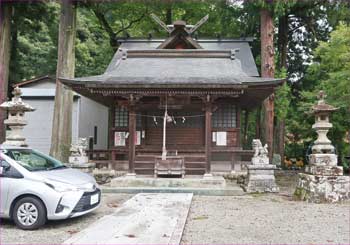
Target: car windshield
(33,160)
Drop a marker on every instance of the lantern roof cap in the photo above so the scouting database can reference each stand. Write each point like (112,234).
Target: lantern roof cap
(16,103)
(321,106)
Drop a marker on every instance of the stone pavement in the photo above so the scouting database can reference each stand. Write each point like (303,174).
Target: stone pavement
(157,218)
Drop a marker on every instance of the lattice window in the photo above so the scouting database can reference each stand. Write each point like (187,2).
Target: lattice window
(224,117)
(122,118)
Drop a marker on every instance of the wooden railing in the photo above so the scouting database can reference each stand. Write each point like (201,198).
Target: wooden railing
(116,158)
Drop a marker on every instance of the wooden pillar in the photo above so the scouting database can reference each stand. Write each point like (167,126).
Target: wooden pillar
(5,33)
(131,138)
(267,70)
(111,123)
(208,134)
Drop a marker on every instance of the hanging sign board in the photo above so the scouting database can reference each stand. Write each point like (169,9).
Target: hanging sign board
(221,138)
(119,138)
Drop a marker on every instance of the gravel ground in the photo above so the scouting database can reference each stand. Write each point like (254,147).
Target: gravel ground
(248,219)
(56,232)
(266,218)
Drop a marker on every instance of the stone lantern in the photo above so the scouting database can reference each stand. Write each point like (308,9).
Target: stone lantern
(323,180)
(16,109)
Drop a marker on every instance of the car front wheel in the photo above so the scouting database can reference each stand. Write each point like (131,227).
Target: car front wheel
(29,213)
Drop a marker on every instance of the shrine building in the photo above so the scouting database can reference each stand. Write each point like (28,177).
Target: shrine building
(199,86)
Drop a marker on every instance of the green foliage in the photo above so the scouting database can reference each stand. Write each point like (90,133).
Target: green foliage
(34,40)
(93,51)
(282,97)
(330,72)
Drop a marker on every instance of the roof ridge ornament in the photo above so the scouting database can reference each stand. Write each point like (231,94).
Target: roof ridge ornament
(180,23)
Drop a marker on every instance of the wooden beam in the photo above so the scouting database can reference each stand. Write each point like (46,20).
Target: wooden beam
(267,70)
(5,33)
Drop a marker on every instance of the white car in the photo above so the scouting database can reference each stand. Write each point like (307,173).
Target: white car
(36,187)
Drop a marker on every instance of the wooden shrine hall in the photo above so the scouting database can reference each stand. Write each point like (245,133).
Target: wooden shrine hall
(176,101)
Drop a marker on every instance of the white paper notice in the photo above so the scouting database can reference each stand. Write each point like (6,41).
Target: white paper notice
(221,138)
(119,138)
(138,138)
(213,137)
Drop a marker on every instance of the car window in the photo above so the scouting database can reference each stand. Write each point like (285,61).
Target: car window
(33,160)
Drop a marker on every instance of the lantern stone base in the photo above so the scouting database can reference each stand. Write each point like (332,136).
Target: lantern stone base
(78,160)
(318,188)
(82,163)
(324,170)
(260,178)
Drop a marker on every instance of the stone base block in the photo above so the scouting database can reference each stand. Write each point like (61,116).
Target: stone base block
(260,160)
(324,170)
(187,182)
(318,188)
(105,175)
(86,167)
(260,178)
(323,159)
(77,160)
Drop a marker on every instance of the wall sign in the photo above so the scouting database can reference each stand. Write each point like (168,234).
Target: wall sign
(221,138)
(119,138)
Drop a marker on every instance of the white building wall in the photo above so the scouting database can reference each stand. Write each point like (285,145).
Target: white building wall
(39,129)
(92,114)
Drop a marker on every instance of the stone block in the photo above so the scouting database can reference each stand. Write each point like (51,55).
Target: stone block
(318,189)
(260,160)
(78,160)
(260,178)
(324,170)
(323,159)
(86,167)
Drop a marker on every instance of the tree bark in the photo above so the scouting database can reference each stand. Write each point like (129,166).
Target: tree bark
(282,48)
(267,70)
(169,16)
(282,40)
(62,119)
(258,123)
(5,40)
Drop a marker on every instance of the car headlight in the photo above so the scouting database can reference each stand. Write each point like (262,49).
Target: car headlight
(60,186)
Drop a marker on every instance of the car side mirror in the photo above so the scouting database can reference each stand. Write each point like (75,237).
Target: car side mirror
(4,166)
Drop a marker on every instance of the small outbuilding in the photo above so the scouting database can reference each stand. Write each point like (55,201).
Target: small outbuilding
(88,118)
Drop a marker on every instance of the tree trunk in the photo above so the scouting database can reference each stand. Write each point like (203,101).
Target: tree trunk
(281,133)
(169,16)
(282,50)
(282,41)
(258,123)
(5,40)
(62,119)
(267,70)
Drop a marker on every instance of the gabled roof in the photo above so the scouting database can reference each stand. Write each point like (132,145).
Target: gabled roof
(180,61)
(244,55)
(173,69)
(33,80)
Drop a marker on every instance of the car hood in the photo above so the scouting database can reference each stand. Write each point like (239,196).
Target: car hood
(67,175)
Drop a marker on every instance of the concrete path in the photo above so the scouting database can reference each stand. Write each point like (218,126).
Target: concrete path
(144,219)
